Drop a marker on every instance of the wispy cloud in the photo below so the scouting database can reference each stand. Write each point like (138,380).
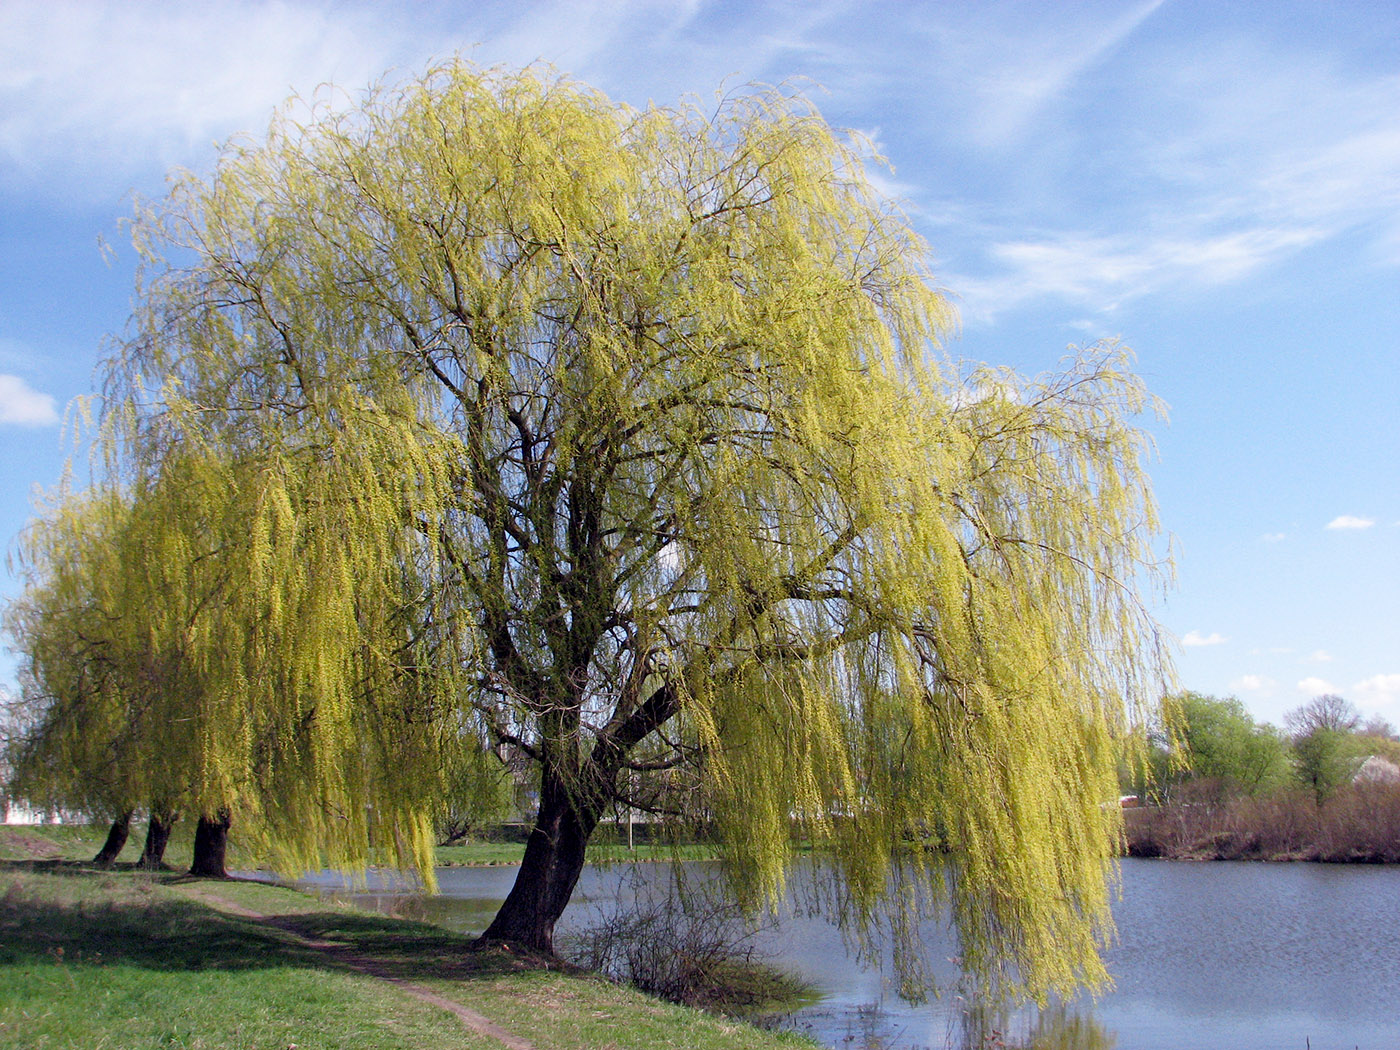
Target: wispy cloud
(19,356)
(1349,521)
(117,88)
(22,405)
(1214,166)
(1343,182)
(1020,71)
(1105,272)
(881,173)
(1274,537)
(1193,639)
(108,92)
(1321,656)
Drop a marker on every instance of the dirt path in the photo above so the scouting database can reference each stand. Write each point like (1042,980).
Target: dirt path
(348,958)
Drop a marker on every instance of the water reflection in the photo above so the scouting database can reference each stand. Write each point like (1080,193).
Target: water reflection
(871,1026)
(1054,1028)
(877,1025)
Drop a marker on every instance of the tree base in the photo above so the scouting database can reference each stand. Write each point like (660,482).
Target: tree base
(157,838)
(211,846)
(117,835)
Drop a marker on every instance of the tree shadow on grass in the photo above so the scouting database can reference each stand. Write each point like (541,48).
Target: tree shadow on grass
(114,919)
(411,950)
(117,918)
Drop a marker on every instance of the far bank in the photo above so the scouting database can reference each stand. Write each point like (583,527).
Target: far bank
(1359,824)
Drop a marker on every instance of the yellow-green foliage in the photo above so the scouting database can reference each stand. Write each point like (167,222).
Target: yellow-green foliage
(77,715)
(494,413)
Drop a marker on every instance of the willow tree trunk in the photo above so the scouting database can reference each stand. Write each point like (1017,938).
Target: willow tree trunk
(157,837)
(211,846)
(554,856)
(117,835)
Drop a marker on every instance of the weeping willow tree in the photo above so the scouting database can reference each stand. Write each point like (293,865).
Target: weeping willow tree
(79,745)
(108,690)
(616,442)
(162,665)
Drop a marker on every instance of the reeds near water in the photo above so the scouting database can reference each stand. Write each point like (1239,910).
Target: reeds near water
(1360,823)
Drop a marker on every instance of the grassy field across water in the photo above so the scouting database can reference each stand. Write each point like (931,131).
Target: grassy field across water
(80,842)
(127,959)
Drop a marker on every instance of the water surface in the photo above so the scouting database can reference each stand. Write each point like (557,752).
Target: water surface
(1219,956)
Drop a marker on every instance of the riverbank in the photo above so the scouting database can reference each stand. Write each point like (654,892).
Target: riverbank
(134,960)
(1360,824)
(80,842)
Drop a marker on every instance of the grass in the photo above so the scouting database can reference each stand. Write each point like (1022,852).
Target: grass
(122,960)
(58,842)
(125,959)
(80,842)
(476,854)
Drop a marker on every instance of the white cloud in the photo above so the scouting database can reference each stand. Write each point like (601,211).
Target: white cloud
(22,405)
(1274,537)
(1321,656)
(1380,690)
(1315,686)
(1348,521)
(1196,638)
(1253,683)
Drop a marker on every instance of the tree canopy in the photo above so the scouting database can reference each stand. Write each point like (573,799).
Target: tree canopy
(486,417)
(1326,748)
(73,747)
(1224,742)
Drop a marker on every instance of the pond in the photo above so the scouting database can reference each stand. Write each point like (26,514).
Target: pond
(1241,956)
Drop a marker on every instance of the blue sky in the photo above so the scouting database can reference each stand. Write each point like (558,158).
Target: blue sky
(1216,184)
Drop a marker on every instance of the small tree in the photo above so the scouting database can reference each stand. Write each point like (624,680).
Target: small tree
(615,440)
(1377,737)
(1326,748)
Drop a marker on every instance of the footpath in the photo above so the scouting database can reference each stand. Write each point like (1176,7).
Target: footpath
(342,954)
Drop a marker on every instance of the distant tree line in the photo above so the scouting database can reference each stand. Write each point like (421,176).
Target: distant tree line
(1219,785)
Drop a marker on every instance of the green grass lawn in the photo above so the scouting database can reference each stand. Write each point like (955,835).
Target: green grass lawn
(472,854)
(479,853)
(58,842)
(125,959)
(80,842)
